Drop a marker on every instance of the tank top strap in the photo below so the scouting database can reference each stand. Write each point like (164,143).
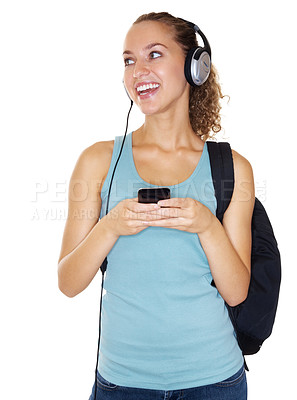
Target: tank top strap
(116,151)
(123,167)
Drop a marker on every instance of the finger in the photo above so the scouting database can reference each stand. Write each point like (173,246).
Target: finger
(143,207)
(146,216)
(173,202)
(143,215)
(169,223)
(170,212)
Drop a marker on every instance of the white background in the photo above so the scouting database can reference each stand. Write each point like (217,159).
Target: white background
(61,91)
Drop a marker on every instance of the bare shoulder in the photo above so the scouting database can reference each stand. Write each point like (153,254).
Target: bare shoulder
(98,152)
(243,177)
(95,160)
(241,165)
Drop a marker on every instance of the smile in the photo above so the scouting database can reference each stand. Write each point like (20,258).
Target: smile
(147,89)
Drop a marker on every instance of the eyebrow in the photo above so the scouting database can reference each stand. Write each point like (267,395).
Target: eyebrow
(148,47)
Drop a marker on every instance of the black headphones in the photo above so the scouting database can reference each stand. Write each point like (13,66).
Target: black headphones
(198,60)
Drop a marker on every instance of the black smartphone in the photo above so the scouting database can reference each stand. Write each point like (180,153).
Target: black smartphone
(153,195)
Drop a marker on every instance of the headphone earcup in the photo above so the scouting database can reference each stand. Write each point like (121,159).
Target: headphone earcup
(188,66)
(197,66)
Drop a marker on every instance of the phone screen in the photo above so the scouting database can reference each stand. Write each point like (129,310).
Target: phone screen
(153,195)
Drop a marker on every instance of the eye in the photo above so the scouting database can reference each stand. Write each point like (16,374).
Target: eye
(155,54)
(128,61)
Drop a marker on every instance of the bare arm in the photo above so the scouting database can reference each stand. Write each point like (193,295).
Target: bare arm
(78,268)
(228,246)
(87,241)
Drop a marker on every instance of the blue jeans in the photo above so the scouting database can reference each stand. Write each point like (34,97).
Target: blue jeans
(233,388)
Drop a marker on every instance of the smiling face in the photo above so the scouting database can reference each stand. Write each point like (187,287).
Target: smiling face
(154,68)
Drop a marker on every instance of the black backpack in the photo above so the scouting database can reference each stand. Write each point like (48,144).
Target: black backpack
(253,319)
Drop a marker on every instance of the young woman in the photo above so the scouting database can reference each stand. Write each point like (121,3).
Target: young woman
(166,332)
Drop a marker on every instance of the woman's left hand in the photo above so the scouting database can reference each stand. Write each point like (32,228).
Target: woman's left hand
(185,214)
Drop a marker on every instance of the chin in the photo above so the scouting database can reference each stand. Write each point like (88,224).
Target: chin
(149,109)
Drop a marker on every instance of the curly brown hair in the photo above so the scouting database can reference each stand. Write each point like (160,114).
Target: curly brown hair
(204,101)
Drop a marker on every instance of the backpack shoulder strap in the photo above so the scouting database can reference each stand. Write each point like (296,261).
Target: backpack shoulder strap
(222,171)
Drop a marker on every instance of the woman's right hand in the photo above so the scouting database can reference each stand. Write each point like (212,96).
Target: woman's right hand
(127,217)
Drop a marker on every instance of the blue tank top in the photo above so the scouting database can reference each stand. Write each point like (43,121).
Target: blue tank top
(164,326)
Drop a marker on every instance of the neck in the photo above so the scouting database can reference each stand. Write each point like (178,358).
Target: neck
(169,132)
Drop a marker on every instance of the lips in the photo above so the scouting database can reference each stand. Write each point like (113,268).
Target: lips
(146,89)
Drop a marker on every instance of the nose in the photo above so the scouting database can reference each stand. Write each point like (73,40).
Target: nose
(140,69)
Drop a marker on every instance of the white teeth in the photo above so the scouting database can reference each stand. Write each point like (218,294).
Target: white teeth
(147,87)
